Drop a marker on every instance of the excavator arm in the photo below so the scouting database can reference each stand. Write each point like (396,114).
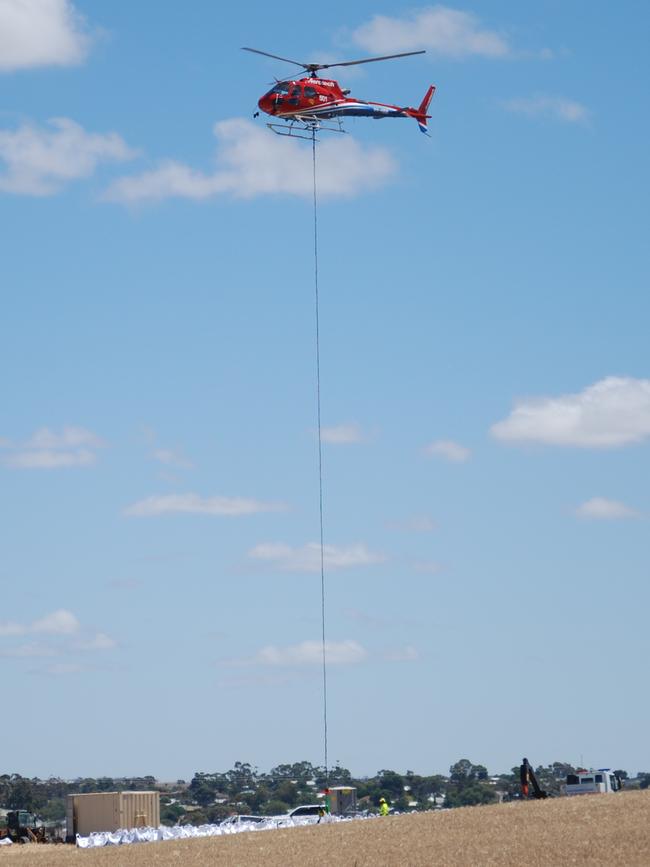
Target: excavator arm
(527,776)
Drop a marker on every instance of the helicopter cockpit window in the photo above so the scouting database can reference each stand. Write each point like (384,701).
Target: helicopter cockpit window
(310,93)
(280,87)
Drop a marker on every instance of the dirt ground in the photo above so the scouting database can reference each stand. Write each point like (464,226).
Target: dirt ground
(591,830)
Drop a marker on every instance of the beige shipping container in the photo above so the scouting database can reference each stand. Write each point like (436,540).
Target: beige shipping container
(343,800)
(108,811)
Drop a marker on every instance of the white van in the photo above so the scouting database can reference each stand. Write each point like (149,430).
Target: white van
(602,781)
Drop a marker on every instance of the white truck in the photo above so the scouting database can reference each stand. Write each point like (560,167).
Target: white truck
(602,781)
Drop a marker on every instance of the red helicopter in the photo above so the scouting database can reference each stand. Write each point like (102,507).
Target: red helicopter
(305,102)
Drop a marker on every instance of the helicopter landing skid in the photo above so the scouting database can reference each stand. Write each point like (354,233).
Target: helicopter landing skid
(305,128)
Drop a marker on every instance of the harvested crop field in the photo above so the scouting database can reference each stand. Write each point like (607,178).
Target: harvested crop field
(590,830)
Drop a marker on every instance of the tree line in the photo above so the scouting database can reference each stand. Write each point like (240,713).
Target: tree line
(211,797)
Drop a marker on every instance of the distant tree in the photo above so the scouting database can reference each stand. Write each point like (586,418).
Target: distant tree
(281,772)
(275,808)
(460,772)
(340,776)
(256,799)
(217,813)
(286,792)
(464,772)
(368,789)
(5,788)
(469,796)
(467,785)
(302,771)
(391,784)
(203,794)
(553,777)
(197,817)
(321,776)
(401,804)
(622,775)
(134,784)
(644,779)
(53,811)
(560,770)
(434,785)
(422,788)
(242,776)
(171,813)
(21,795)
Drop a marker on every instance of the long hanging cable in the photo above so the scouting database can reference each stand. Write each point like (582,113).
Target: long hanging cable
(320,461)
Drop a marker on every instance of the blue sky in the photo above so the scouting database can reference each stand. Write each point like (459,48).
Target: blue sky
(485,390)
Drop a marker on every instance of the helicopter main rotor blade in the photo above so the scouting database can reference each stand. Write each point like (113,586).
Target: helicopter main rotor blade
(276,57)
(314,67)
(370,59)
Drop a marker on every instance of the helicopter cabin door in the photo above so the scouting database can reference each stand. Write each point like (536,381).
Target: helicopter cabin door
(295,95)
(310,95)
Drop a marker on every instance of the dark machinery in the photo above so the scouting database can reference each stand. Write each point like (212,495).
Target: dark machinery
(528,779)
(22,828)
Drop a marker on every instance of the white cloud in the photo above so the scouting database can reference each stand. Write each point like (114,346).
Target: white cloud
(602,508)
(46,459)
(99,641)
(343,434)
(73,447)
(41,33)
(251,161)
(169,457)
(11,628)
(172,458)
(310,654)
(346,652)
(448,449)
(167,504)
(307,559)
(553,107)
(27,651)
(416,524)
(60,622)
(70,437)
(402,654)
(612,412)
(442,31)
(39,162)
(66,634)
(63,668)
(427,567)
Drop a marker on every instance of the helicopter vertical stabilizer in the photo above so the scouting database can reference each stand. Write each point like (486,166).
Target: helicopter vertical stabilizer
(420,113)
(426,102)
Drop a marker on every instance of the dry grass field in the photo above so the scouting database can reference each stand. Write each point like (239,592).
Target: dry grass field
(590,830)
